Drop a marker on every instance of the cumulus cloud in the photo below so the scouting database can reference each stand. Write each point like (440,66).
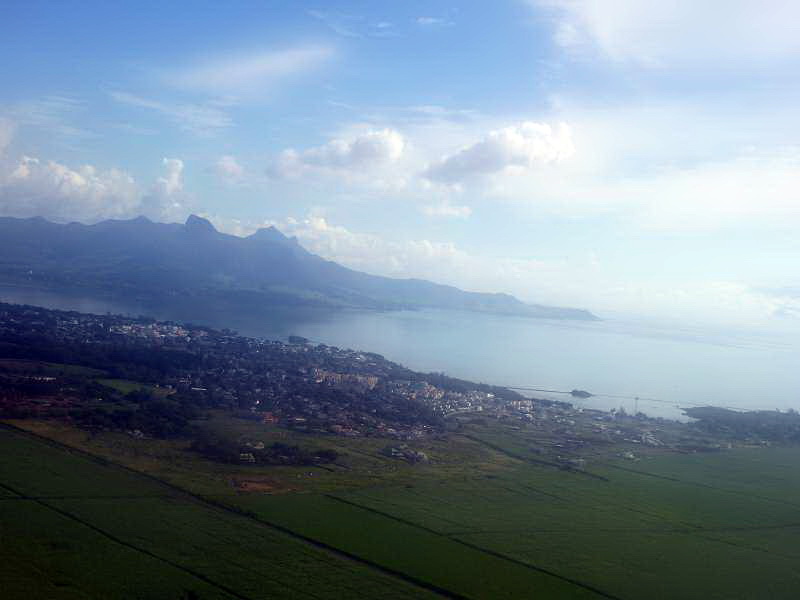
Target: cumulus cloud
(680,32)
(516,148)
(244,73)
(229,169)
(376,148)
(202,120)
(30,187)
(758,191)
(439,261)
(374,253)
(172,181)
(166,200)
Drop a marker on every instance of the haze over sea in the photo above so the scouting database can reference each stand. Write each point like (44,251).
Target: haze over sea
(665,365)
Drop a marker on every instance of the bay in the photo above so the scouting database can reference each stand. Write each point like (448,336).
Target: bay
(664,365)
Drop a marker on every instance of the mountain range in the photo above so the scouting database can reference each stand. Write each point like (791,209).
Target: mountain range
(153,262)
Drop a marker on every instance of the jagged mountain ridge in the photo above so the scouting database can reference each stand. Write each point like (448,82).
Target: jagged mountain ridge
(145,259)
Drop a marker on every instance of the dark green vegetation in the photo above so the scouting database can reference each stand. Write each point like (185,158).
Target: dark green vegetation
(476,523)
(721,525)
(84,396)
(161,264)
(220,444)
(764,424)
(176,461)
(155,377)
(72,527)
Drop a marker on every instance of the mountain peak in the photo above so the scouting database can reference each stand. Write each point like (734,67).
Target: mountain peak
(199,224)
(193,260)
(271,234)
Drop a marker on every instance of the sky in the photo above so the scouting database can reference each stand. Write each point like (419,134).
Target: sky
(633,157)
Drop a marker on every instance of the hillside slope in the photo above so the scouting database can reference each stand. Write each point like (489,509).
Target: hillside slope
(142,259)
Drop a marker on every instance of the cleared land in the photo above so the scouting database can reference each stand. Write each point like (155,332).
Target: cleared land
(484,519)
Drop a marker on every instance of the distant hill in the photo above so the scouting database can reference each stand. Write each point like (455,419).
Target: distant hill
(151,261)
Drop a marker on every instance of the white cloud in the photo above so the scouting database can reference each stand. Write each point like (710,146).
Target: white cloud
(580,281)
(53,114)
(30,187)
(643,186)
(516,148)
(679,32)
(373,253)
(172,181)
(438,261)
(252,72)
(203,120)
(166,200)
(669,166)
(229,169)
(751,190)
(367,150)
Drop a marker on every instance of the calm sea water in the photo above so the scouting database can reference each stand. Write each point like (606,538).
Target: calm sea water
(619,359)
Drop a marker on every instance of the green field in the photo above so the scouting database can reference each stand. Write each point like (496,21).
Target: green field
(46,368)
(706,526)
(126,386)
(72,527)
(476,524)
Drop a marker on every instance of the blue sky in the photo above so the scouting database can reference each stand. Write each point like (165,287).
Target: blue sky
(619,155)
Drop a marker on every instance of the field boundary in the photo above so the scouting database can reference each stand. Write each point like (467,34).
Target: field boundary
(215,504)
(471,546)
(68,515)
(533,461)
(701,485)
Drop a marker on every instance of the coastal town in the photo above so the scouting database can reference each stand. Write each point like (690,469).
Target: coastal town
(313,388)
(155,378)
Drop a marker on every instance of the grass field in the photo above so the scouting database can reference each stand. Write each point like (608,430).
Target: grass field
(126,386)
(483,520)
(360,462)
(47,369)
(72,527)
(723,525)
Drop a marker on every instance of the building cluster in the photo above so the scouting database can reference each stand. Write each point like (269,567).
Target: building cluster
(303,386)
(155,331)
(315,388)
